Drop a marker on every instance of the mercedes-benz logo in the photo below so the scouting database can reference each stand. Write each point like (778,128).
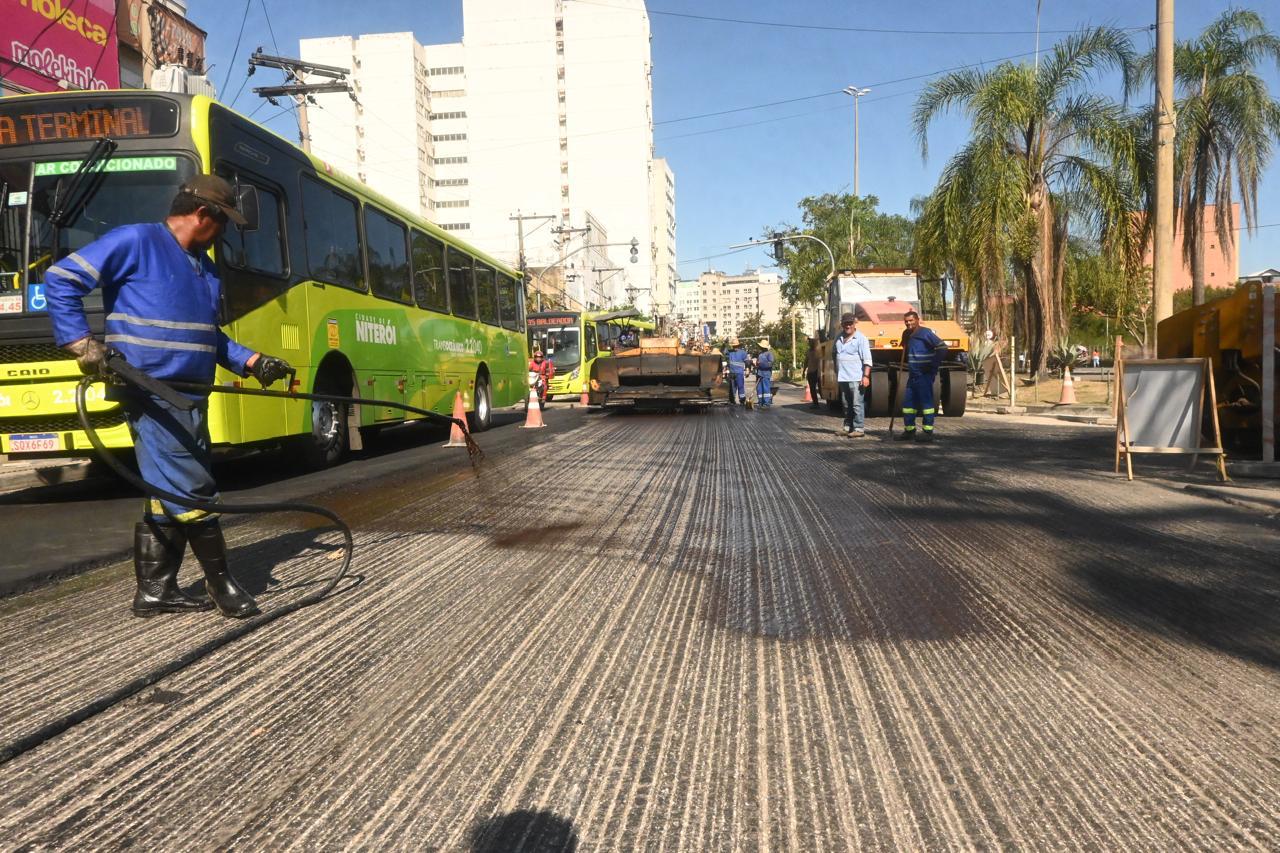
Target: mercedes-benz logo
(31,400)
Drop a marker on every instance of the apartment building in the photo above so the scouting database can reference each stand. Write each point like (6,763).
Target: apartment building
(723,302)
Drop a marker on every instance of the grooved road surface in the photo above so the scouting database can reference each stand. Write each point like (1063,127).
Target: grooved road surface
(728,631)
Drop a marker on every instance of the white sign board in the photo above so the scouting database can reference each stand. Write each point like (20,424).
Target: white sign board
(1163,403)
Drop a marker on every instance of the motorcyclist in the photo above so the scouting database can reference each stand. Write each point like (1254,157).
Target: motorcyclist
(544,369)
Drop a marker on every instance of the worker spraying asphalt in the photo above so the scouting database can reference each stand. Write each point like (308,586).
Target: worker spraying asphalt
(162,345)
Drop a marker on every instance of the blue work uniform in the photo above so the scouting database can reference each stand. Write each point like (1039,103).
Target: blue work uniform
(764,378)
(161,306)
(925,352)
(738,360)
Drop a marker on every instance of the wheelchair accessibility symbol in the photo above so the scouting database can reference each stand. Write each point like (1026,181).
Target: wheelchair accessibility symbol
(36,300)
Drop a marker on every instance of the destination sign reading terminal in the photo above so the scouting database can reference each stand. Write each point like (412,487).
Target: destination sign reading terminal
(64,121)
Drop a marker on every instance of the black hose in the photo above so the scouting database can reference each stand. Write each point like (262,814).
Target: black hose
(122,368)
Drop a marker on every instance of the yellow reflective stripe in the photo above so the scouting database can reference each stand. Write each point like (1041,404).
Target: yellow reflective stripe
(908,411)
(929,411)
(928,427)
(189,517)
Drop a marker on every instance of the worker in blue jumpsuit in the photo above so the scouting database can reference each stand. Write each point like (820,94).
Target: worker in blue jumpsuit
(161,294)
(738,361)
(924,352)
(764,374)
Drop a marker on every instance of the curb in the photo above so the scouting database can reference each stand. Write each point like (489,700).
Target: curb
(1248,498)
(18,476)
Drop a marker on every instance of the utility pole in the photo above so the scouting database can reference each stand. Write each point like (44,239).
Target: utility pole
(1162,249)
(522,264)
(296,87)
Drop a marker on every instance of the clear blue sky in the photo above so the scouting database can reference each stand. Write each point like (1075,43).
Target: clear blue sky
(740,172)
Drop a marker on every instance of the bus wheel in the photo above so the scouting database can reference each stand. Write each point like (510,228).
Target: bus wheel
(482,418)
(326,445)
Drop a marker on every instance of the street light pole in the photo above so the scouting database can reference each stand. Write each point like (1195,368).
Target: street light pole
(857,94)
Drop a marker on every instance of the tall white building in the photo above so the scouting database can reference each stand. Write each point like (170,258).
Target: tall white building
(544,109)
(382,136)
(662,214)
(728,300)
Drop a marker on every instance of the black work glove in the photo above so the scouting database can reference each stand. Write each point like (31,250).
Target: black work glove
(91,356)
(267,369)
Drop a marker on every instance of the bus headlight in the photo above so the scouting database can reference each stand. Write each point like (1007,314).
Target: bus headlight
(573,374)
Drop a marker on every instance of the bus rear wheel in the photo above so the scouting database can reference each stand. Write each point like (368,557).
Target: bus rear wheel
(482,418)
(326,445)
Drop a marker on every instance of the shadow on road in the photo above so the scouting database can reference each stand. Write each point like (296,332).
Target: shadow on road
(524,832)
(1146,565)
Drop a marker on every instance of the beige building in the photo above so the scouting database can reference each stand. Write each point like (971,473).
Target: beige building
(1221,263)
(723,302)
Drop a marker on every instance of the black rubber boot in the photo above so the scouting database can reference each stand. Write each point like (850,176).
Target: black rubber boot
(157,555)
(211,550)
(905,435)
(926,436)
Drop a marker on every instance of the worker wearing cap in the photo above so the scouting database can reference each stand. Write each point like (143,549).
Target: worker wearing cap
(738,361)
(764,374)
(161,295)
(924,352)
(851,352)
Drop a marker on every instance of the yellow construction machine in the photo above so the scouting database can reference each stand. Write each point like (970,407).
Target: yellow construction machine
(1229,332)
(879,298)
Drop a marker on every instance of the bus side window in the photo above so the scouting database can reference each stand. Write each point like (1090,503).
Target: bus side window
(333,235)
(592,352)
(388,262)
(486,295)
(462,285)
(256,267)
(508,303)
(430,285)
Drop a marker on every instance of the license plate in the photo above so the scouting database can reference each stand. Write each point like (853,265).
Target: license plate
(11,303)
(35,442)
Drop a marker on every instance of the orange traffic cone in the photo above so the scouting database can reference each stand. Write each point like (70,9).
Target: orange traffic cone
(456,436)
(585,399)
(808,396)
(1068,388)
(533,416)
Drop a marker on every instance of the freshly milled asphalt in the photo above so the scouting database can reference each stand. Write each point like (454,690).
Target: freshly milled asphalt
(727,631)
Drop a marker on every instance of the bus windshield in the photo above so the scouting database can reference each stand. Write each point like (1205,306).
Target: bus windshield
(134,189)
(563,346)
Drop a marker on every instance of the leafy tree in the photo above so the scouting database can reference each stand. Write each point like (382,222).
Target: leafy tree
(858,234)
(1227,126)
(1105,286)
(1042,147)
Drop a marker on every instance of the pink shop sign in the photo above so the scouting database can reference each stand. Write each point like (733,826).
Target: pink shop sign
(48,45)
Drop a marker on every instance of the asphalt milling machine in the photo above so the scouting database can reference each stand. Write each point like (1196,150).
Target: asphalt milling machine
(657,374)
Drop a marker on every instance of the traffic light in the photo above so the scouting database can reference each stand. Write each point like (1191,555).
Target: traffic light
(779,249)
(635,251)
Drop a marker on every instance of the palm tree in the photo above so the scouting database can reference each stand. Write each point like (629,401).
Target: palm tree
(1042,147)
(1227,125)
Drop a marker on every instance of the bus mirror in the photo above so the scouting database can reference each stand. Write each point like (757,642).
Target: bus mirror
(247,203)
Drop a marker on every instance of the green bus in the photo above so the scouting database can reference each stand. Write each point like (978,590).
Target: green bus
(573,340)
(364,298)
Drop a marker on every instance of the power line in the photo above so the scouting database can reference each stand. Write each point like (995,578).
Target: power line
(872,84)
(231,65)
(838,29)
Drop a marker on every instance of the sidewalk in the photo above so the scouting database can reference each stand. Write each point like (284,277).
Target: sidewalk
(1082,413)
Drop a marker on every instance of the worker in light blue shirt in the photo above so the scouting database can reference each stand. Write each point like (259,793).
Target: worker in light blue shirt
(851,352)
(161,295)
